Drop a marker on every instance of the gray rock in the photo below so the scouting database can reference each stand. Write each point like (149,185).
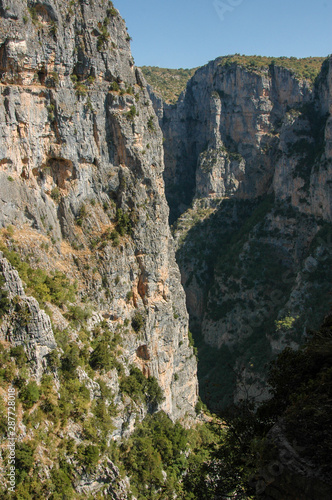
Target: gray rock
(26,324)
(67,141)
(244,111)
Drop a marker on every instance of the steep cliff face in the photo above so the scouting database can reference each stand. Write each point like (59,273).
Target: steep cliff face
(250,150)
(81,182)
(230,129)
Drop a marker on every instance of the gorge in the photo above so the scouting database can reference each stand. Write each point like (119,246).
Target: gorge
(120,214)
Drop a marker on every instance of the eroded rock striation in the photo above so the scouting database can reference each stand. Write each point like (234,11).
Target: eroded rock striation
(81,180)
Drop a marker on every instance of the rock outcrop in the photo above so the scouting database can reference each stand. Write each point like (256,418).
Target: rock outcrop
(84,217)
(25,323)
(81,156)
(256,120)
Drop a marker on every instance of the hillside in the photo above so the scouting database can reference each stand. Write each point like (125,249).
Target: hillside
(167,83)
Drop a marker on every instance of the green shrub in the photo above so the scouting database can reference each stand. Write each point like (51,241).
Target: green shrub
(134,384)
(24,458)
(111,12)
(10,230)
(53,28)
(78,314)
(154,392)
(103,419)
(4,301)
(90,456)
(115,87)
(61,291)
(192,342)
(137,321)
(140,388)
(150,124)
(81,90)
(53,360)
(51,115)
(101,357)
(286,323)
(74,78)
(115,238)
(131,113)
(74,399)
(29,395)
(123,221)
(55,194)
(102,38)
(18,353)
(62,483)
(70,361)
(91,80)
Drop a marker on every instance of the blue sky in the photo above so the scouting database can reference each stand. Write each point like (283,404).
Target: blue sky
(189,33)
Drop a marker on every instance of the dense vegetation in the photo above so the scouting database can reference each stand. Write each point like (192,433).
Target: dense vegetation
(168,83)
(54,287)
(215,461)
(241,460)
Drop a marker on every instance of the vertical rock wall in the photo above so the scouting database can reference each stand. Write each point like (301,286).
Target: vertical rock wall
(242,132)
(80,149)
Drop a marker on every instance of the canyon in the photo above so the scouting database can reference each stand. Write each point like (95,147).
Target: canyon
(153,255)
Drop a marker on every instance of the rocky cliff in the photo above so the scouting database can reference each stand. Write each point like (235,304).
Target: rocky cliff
(83,203)
(248,149)
(233,126)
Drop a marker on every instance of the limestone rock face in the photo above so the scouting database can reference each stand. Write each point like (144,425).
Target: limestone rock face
(250,152)
(106,479)
(25,324)
(80,154)
(218,173)
(260,119)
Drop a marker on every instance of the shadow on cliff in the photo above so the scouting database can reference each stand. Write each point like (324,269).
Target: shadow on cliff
(249,290)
